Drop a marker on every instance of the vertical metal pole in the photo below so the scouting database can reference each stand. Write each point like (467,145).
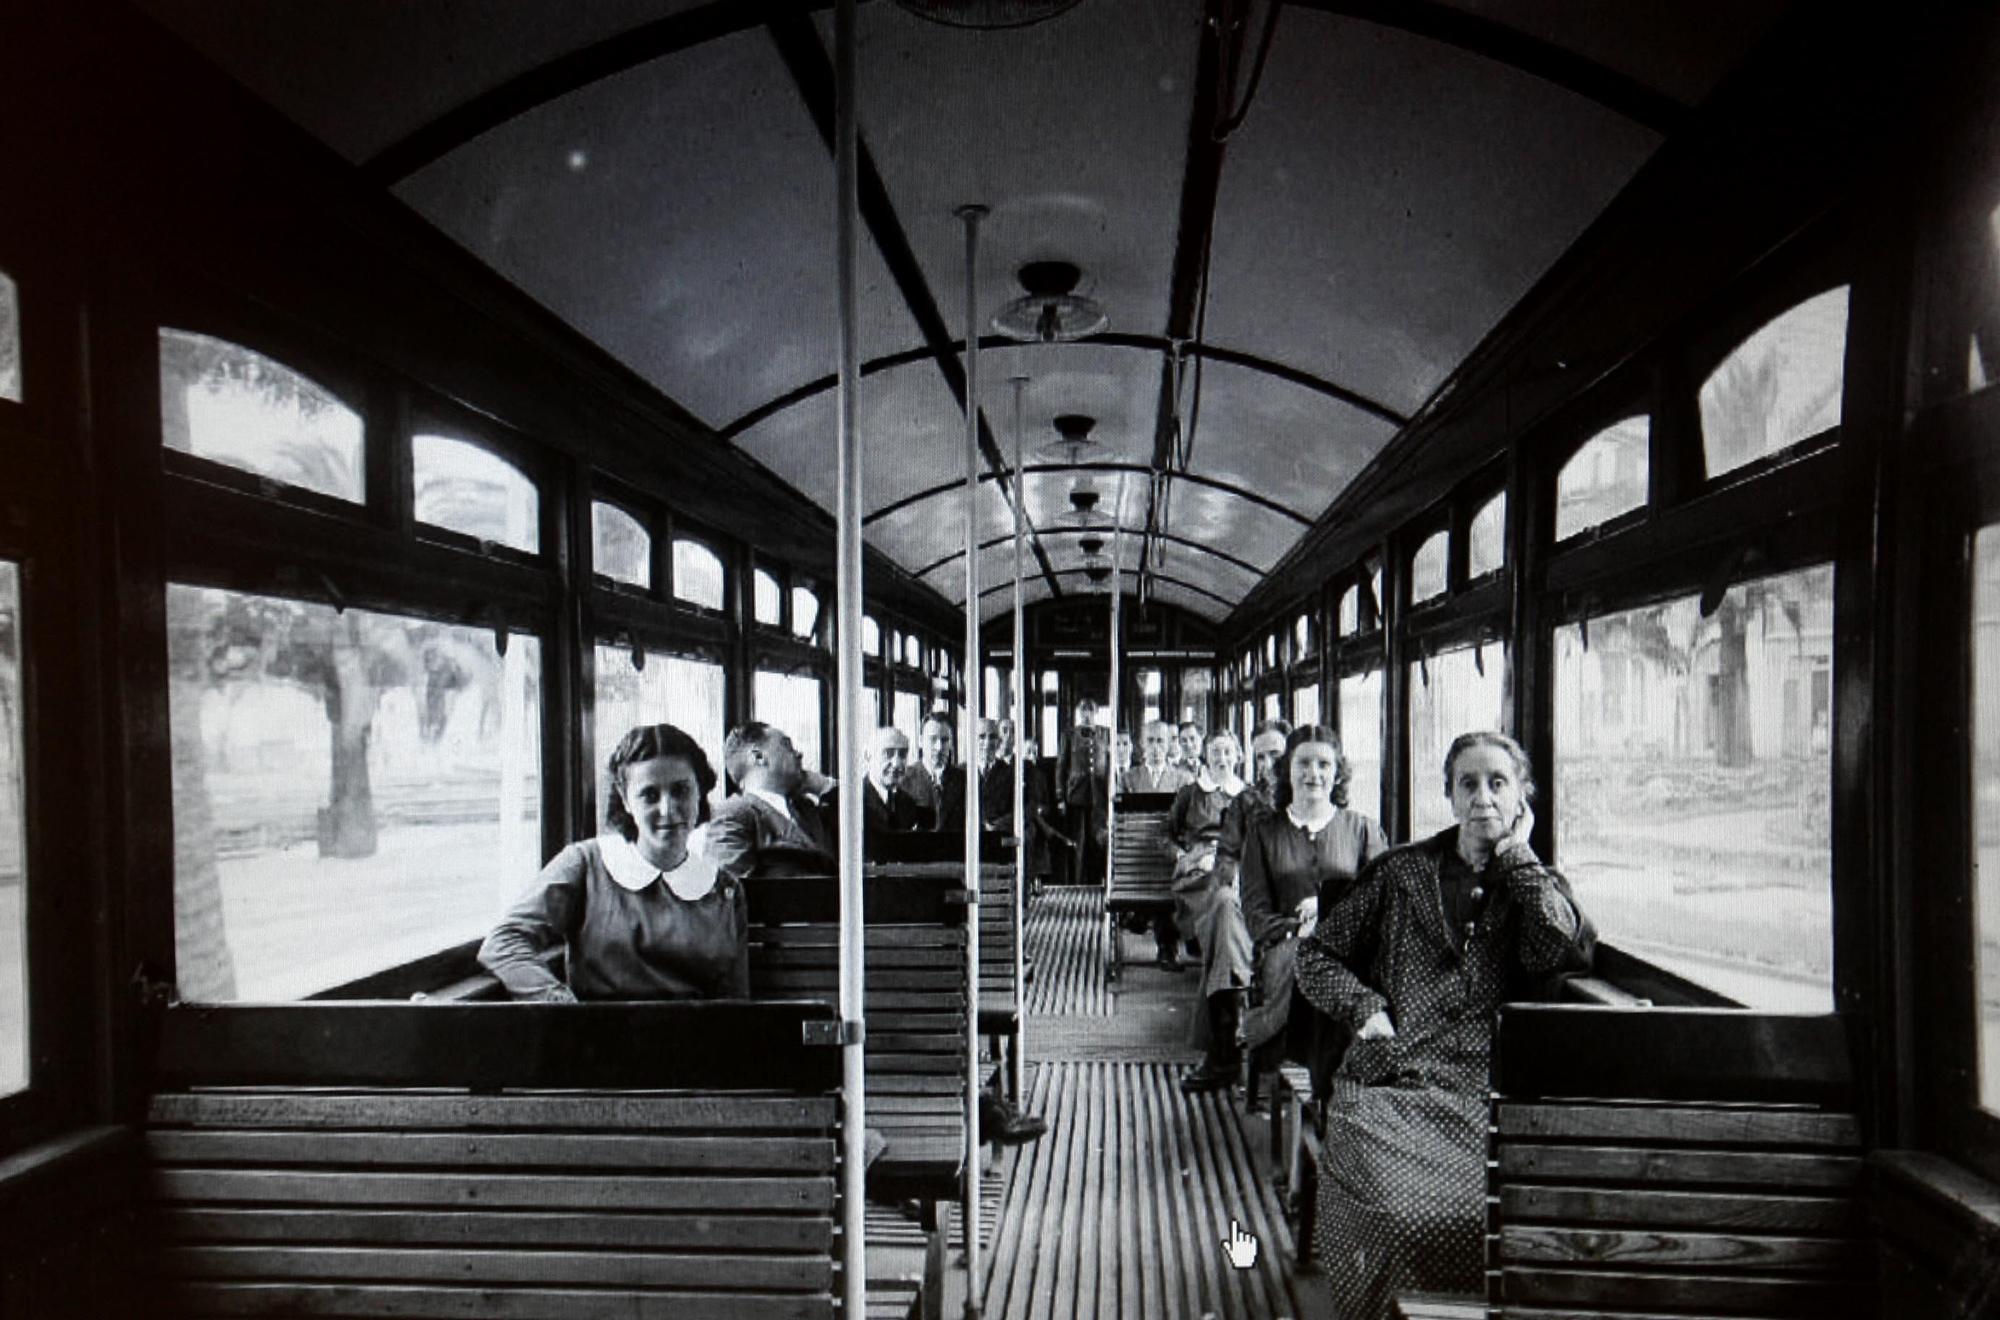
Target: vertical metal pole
(848,735)
(1018,1079)
(971,215)
(1117,710)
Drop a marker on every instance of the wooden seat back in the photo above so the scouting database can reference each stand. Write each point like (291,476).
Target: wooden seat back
(496,1160)
(915,999)
(1142,857)
(1699,1162)
(999,996)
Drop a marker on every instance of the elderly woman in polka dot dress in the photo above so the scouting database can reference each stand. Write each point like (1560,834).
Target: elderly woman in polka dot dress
(1416,958)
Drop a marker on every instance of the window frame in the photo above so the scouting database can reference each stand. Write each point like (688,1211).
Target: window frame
(431,415)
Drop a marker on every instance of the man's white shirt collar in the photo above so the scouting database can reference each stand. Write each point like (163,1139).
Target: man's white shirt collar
(783,807)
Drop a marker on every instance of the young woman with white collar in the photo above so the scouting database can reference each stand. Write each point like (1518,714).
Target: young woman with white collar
(639,915)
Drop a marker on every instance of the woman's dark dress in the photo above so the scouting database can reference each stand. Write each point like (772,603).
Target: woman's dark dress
(1402,1181)
(1282,866)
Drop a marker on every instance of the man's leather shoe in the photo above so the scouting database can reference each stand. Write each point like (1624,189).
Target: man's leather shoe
(1208,1077)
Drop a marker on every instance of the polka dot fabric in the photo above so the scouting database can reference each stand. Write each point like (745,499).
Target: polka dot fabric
(1403,1171)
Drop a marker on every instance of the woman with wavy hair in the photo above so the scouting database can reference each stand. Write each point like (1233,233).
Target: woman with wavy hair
(640,917)
(1297,861)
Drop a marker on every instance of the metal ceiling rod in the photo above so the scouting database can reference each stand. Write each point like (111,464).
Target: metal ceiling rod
(968,740)
(1117,711)
(848,729)
(1020,818)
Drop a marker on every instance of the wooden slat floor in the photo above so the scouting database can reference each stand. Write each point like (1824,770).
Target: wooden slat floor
(1066,942)
(1120,1211)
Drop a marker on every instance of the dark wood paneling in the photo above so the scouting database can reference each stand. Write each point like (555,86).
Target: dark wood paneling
(1669,1054)
(489,1046)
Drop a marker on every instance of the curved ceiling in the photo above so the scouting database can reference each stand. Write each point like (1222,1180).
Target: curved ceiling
(657,173)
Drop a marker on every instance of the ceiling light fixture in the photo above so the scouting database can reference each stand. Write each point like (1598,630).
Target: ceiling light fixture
(1050,311)
(1073,444)
(986,13)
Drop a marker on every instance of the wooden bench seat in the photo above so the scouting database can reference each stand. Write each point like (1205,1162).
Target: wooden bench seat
(1141,873)
(419,1160)
(1688,1161)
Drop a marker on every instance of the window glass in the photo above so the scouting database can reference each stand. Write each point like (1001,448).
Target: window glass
(13,842)
(671,689)
(791,702)
(1274,706)
(1427,568)
(1350,611)
(913,651)
(1609,475)
(1302,638)
(805,611)
(1271,651)
(767,598)
(10,340)
(1305,704)
(1152,686)
(1371,611)
(697,574)
(1780,386)
(1246,720)
(221,401)
(871,635)
(1693,769)
(462,487)
(1051,715)
(1361,739)
(1985,798)
(1449,695)
(351,790)
(908,715)
(622,550)
(1486,539)
(1197,685)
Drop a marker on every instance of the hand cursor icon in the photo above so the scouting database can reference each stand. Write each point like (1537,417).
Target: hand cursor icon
(1240,1247)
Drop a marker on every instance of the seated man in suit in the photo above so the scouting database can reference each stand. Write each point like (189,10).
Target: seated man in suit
(924,780)
(887,807)
(996,787)
(774,813)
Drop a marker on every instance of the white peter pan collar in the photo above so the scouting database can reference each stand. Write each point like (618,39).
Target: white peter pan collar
(1208,783)
(691,880)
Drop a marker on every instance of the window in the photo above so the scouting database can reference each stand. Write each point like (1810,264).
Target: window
(1350,611)
(351,790)
(1246,715)
(1454,692)
(222,402)
(1427,565)
(1486,541)
(14,1059)
(913,651)
(621,548)
(1271,652)
(805,612)
(1361,739)
(1197,686)
(1780,386)
(671,689)
(999,697)
(1274,706)
(767,598)
(1608,475)
(871,635)
(1051,715)
(1305,704)
(1152,686)
(1985,799)
(462,487)
(1302,638)
(790,702)
(697,574)
(10,340)
(1693,773)
(908,715)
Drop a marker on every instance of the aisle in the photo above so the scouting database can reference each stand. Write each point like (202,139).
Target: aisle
(1121,1210)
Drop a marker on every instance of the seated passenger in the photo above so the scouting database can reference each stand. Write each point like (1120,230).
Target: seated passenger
(1194,825)
(1402,1182)
(1190,748)
(1121,758)
(1302,855)
(924,780)
(1228,960)
(1156,773)
(996,787)
(638,916)
(885,807)
(774,814)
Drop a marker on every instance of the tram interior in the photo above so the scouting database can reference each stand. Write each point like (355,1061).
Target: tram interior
(400,400)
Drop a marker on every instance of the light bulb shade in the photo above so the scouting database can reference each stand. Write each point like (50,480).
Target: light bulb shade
(986,13)
(1050,318)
